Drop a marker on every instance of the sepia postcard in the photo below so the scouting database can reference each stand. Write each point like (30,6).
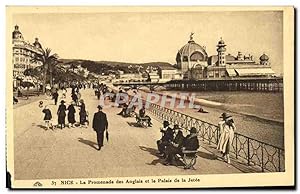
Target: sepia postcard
(149,97)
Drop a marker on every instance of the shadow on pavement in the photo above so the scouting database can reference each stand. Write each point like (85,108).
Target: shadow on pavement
(153,152)
(41,126)
(87,142)
(207,155)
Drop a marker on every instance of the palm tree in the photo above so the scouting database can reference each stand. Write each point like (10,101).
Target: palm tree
(47,59)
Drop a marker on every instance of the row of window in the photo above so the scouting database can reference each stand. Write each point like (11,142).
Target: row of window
(22,66)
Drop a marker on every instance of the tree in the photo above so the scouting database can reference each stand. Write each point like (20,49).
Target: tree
(46,58)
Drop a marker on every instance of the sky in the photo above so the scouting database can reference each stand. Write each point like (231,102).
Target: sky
(154,36)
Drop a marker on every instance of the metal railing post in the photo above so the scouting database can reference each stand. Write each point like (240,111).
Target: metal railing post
(248,154)
(279,168)
(236,148)
(262,158)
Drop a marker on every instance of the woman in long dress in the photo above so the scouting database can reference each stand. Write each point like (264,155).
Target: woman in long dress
(71,114)
(82,113)
(227,129)
(61,112)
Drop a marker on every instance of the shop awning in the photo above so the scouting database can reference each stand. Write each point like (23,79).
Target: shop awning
(231,72)
(254,72)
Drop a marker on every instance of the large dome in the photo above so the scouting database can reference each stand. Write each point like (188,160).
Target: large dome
(191,51)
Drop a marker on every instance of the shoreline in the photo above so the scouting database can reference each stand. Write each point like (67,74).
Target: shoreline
(225,107)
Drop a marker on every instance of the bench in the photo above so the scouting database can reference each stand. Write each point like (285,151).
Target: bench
(188,158)
(142,121)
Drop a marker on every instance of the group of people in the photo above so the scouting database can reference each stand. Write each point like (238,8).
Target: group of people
(173,142)
(64,111)
(101,89)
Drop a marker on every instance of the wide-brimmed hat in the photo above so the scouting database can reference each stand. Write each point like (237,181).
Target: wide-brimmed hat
(166,123)
(81,100)
(193,130)
(62,101)
(99,107)
(225,116)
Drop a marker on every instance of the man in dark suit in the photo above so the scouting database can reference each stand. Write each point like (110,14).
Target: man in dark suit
(100,124)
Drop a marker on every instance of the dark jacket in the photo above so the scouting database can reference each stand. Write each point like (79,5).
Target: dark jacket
(142,112)
(48,115)
(100,123)
(71,109)
(179,138)
(191,142)
(55,95)
(62,110)
(167,135)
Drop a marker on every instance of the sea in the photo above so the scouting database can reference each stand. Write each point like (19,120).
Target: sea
(268,106)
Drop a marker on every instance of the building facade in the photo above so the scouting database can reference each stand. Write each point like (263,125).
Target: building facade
(23,53)
(167,73)
(194,63)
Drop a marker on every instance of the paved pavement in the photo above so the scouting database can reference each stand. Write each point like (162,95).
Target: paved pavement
(71,153)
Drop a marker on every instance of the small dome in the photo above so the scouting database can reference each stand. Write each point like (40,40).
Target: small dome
(264,57)
(193,51)
(37,44)
(16,33)
(221,42)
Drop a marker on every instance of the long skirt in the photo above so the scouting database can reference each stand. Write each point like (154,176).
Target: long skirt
(82,117)
(225,141)
(71,118)
(61,119)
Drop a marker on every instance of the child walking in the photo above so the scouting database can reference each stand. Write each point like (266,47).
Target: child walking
(47,117)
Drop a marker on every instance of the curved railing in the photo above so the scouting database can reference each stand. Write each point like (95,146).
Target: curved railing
(250,151)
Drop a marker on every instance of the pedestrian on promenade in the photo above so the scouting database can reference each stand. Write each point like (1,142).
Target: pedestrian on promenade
(167,137)
(71,114)
(74,98)
(82,113)
(100,124)
(64,91)
(55,96)
(47,117)
(61,112)
(227,129)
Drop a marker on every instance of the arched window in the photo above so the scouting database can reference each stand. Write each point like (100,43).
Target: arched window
(197,56)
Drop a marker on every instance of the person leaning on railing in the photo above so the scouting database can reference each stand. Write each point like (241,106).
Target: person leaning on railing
(227,129)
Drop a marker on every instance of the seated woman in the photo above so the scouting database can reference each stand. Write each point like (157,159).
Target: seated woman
(175,146)
(191,142)
(142,114)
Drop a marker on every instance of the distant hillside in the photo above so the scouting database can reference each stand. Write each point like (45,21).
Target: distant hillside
(106,67)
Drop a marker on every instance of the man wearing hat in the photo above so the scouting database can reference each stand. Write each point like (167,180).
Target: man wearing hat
(175,146)
(100,124)
(167,137)
(61,113)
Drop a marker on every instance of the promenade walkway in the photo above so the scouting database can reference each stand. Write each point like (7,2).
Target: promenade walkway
(71,153)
